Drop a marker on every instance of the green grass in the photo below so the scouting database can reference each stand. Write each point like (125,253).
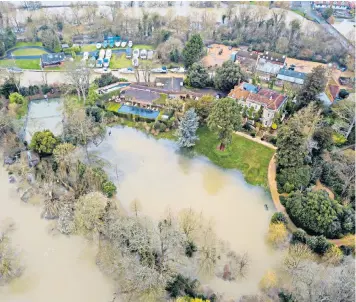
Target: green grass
(143,46)
(120,62)
(23,64)
(88,47)
(112,106)
(250,158)
(28,52)
(20,44)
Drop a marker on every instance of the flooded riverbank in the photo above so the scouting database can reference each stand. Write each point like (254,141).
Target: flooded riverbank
(57,268)
(154,173)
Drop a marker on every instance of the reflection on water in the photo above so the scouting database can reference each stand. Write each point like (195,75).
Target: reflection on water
(57,268)
(156,174)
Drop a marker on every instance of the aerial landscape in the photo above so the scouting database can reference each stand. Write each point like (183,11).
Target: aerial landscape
(182,151)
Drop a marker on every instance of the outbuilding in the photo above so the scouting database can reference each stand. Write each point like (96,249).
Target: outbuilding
(52,59)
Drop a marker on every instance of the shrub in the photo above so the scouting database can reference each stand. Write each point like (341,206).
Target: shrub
(277,233)
(339,139)
(318,244)
(43,142)
(299,236)
(316,213)
(279,217)
(16,98)
(190,248)
(106,79)
(274,126)
(108,188)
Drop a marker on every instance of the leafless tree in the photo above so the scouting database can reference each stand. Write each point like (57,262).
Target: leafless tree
(78,75)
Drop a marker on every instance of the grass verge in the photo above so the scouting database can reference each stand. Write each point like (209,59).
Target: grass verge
(28,52)
(23,64)
(21,44)
(249,157)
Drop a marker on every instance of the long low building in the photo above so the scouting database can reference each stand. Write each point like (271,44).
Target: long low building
(52,59)
(291,76)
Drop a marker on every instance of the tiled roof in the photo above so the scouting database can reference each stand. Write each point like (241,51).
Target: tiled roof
(247,54)
(333,90)
(273,57)
(292,73)
(270,98)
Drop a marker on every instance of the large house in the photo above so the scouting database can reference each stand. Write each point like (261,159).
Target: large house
(251,96)
(269,63)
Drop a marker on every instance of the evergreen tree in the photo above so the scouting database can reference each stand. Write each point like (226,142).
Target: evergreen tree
(187,129)
(228,75)
(314,84)
(198,76)
(225,117)
(193,50)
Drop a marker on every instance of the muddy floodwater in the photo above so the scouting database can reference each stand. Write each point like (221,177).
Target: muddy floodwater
(161,179)
(57,269)
(60,268)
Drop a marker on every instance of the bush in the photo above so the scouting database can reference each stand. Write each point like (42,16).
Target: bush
(299,236)
(318,244)
(16,98)
(108,188)
(106,79)
(279,217)
(43,142)
(274,126)
(190,249)
(316,213)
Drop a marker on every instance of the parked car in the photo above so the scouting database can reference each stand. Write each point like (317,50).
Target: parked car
(130,44)
(123,43)
(108,53)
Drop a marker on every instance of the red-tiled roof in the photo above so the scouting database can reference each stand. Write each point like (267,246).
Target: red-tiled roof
(272,99)
(333,90)
(238,92)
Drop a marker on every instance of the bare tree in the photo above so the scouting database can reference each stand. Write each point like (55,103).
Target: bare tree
(78,75)
(135,206)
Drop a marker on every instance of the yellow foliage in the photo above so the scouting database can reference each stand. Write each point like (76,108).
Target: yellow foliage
(277,233)
(187,299)
(333,255)
(269,280)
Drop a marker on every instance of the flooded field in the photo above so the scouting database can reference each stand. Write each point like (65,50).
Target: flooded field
(44,114)
(161,179)
(57,268)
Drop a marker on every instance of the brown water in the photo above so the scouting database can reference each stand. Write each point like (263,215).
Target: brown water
(160,178)
(57,269)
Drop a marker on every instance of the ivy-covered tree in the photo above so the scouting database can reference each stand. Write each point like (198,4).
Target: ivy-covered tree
(293,153)
(228,75)
(187,129)
(198,76)
(225,118)
(314,84)
(43,142)
(193,50)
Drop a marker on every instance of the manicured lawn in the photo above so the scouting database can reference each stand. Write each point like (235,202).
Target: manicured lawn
(89,47)
(23,64)
(143,46)
(250,158)
(28,52)
(112,106)
(120,62)
(20,44)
